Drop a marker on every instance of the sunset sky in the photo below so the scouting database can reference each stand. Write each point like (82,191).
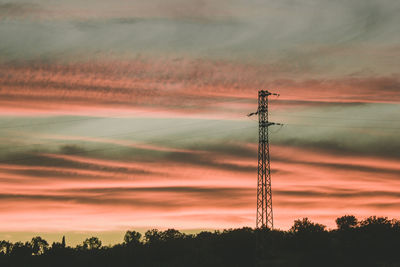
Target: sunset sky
(131,115)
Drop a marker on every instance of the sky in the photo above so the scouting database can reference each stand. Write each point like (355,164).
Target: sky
(131,115)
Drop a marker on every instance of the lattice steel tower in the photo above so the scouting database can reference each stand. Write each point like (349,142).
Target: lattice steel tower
(264,195)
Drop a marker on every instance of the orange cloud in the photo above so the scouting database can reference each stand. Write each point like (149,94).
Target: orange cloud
(185,194)
(183,87)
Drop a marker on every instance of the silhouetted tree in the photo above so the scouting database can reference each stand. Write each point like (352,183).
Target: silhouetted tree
(39,245)
(376,223)
(63,241)
(132,238)
(171,234)
(310,242)
(306,226)
(5,247)
(92,243)
(396,225)
(346,222)
(152,236)
(20,249)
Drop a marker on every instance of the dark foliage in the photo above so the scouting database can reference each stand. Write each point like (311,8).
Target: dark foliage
(374,241)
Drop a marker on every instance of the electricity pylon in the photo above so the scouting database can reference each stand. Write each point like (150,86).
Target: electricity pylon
(265,218)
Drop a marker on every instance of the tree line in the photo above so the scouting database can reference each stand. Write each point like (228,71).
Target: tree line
(374,241)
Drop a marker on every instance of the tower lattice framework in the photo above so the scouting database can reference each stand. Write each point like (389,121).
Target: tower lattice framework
(265,216)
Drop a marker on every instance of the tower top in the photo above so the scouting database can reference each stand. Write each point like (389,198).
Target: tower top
(265,93)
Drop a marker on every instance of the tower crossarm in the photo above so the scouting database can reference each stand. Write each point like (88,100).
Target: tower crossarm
(269,123)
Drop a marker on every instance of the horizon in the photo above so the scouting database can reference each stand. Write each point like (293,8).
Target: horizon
(111,238)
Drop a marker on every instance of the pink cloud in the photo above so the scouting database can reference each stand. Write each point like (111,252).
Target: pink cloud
(183,87)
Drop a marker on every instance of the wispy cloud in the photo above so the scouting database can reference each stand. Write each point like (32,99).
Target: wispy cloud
(180,87)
